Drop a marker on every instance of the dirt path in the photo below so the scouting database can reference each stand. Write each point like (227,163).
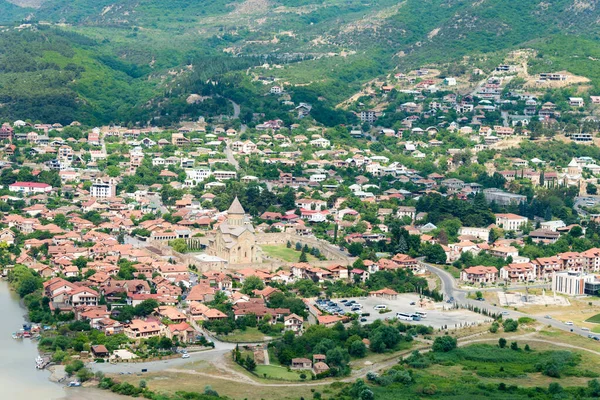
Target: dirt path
(235,376)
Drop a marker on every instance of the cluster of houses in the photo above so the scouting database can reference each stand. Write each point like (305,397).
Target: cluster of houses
(571,273)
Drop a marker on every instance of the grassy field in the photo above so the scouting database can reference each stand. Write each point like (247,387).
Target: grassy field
(594,320)
(223,383)
(580,312)
(283,253)
(275,372)
(249,335)
(455,272)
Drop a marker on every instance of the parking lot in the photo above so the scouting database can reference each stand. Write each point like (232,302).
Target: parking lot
(438,315)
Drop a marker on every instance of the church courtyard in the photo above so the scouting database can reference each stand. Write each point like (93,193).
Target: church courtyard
(283,253)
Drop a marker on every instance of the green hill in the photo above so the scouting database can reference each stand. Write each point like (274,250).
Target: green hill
(118,60)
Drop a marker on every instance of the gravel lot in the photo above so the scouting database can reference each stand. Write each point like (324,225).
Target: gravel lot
(437,314)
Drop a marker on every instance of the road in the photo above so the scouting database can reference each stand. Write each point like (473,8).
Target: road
(230,158)
(583,202)
(236,109)
(216,354)
(450,290)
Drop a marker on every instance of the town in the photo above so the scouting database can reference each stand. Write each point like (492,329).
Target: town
(292,252)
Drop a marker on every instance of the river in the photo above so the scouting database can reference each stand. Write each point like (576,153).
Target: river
(19,379)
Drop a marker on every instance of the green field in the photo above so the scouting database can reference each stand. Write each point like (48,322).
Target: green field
(275,372)
(594,320)
(249,335)
(283,253)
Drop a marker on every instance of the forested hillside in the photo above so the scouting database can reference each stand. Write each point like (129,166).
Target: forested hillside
(109,61)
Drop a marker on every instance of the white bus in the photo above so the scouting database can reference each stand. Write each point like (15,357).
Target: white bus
(404,316)
(421,314)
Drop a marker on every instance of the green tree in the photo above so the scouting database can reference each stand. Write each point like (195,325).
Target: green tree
(502,343)
(251,284)
(444,344)
(179,245)
(250,364)
(303,257)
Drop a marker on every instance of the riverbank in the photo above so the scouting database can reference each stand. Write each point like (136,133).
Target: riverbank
(19,379)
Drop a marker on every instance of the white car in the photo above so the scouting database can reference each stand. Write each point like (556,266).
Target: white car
(186,355)
(585,329)
(569,323)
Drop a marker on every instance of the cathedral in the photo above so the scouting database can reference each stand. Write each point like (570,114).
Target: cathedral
(234,240)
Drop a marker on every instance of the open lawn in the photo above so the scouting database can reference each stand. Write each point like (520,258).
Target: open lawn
(275,372)
(594,320)
(455,272)
(283,253)
(249,335)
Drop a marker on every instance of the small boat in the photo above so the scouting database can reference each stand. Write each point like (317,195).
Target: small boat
(17,335)
(27,334)
(74,384)
(39,362)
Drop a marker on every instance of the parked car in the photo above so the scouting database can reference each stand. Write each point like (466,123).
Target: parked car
(185,355)
(343,301)
(570,323)
(363,320)
(548,317)
(412,303)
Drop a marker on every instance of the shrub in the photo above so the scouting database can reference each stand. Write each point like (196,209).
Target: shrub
(526,320)
(502,343)
(510,325)
(494,327)
(444,344)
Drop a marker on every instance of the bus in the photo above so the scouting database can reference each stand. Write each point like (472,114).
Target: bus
(421,314)
(404,316)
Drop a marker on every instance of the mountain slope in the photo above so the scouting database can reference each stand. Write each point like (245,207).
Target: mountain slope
(139,48)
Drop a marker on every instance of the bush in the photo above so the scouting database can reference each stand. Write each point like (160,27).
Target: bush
(502,343)
(526,320)
(510,325)
(494,327)
(444,344)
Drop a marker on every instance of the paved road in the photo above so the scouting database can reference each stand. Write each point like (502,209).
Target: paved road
(221,349)
(450,290)
(236,109)
(230,158)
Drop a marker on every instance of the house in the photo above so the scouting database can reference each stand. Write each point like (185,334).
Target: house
(301,363)
(83,296)
(518,272)
(320,367)
(479,274)
(30,187)
(406,211)
(292,323)
(100,351)
(139,329)
(177,139)
(329,320)
(576,102)
(386,293)
(545,236)
(181,332)
(511,222)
